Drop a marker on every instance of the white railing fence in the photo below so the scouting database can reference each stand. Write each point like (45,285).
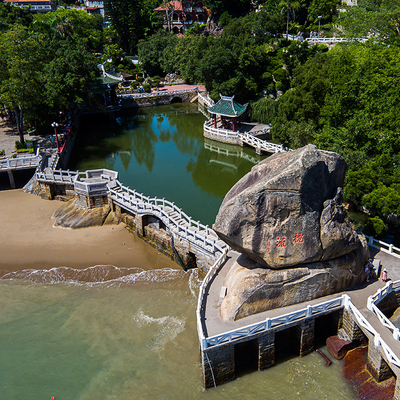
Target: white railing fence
(207,100)
(378,341)
(229,136)
(383,246)
(286,319)
(157,93)
(63,176)
(185,226)
(268,323)
(203,287)
(375,299)
(20,161)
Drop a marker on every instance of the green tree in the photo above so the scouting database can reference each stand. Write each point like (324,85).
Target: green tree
(290,7)
(10,15)
(67,22)
(69,75)
(22,55)
(153,51)
(378,18)
(133,20)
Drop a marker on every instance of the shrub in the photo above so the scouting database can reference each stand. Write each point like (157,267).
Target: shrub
(18,145)
(374,227)
(134,84)
(30,151)
(140,79)
(146,88)
(2,152)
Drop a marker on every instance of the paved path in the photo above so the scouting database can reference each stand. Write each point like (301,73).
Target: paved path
(8,136)
(214,325)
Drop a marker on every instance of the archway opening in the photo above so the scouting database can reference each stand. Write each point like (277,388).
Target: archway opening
(287,345)
(246,357)
(176,99)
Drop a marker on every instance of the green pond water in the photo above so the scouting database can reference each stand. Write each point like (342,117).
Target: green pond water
(160,151)
(113,333)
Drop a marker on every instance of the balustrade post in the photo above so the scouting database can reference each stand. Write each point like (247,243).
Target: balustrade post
(396,333)
(371,240)
(390,248)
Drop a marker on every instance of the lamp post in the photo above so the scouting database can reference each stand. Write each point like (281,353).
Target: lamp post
(54,125)
(319,24)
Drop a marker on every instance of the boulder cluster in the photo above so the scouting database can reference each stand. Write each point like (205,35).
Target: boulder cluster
(287,219)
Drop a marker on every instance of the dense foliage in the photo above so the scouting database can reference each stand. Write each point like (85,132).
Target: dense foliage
(132,20)
(48,63)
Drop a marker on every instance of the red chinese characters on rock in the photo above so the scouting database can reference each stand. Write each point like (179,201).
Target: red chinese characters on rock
(268,247)
(281,242)
(298,238)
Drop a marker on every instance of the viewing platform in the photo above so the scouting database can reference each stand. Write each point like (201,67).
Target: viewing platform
(355,311)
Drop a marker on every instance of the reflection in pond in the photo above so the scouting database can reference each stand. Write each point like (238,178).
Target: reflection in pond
(160,151)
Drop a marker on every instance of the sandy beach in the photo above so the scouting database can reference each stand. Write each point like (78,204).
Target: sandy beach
(29,240)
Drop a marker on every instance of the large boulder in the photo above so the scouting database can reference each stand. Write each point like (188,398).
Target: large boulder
(252,288)
(69,216)
(287,210)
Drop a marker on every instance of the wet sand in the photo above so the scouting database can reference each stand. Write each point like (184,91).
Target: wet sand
(29,240)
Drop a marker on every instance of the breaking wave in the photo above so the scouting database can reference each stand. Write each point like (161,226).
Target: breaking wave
(103,275)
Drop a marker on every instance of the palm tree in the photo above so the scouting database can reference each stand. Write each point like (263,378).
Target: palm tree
(290,6)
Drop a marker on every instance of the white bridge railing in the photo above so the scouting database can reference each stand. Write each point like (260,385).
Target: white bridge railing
(287,319)
(157,93)
(228,136)
(20,162)
(269,323)
(182,224)
(377,298)
(57,176)
(378,341)
(206,100)
(383,246)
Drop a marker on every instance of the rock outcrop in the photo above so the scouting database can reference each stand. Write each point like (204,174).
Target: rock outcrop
(286,218)
(278,215)
(69,216)
(252,288)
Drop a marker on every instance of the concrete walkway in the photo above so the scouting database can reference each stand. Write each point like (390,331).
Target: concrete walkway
(214,325)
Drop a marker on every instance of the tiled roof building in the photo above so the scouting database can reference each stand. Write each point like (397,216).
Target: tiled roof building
(180,15)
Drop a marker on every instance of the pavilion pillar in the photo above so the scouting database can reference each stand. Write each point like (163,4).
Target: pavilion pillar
(233,124)
(215,121)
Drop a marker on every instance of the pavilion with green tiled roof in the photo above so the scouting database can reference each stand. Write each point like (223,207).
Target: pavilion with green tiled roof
(229,108)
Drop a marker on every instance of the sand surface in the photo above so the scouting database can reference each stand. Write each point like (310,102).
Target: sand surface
(29,240)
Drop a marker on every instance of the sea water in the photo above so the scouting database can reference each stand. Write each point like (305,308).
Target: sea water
(109,333)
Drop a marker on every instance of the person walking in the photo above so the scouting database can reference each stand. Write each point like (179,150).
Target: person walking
(384,276)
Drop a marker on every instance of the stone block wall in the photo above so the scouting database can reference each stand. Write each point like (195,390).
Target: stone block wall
(350,326)
(305,333)
(218,365)
(88,203)
(266,350)
(376,364)
(46,190)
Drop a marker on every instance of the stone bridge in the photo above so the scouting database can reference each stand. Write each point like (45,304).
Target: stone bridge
(158,97)
(158,221)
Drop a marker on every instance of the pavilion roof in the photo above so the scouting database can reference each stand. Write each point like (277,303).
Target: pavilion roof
(228,107)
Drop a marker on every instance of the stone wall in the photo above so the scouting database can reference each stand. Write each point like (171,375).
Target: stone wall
(157,100)
(153,231)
